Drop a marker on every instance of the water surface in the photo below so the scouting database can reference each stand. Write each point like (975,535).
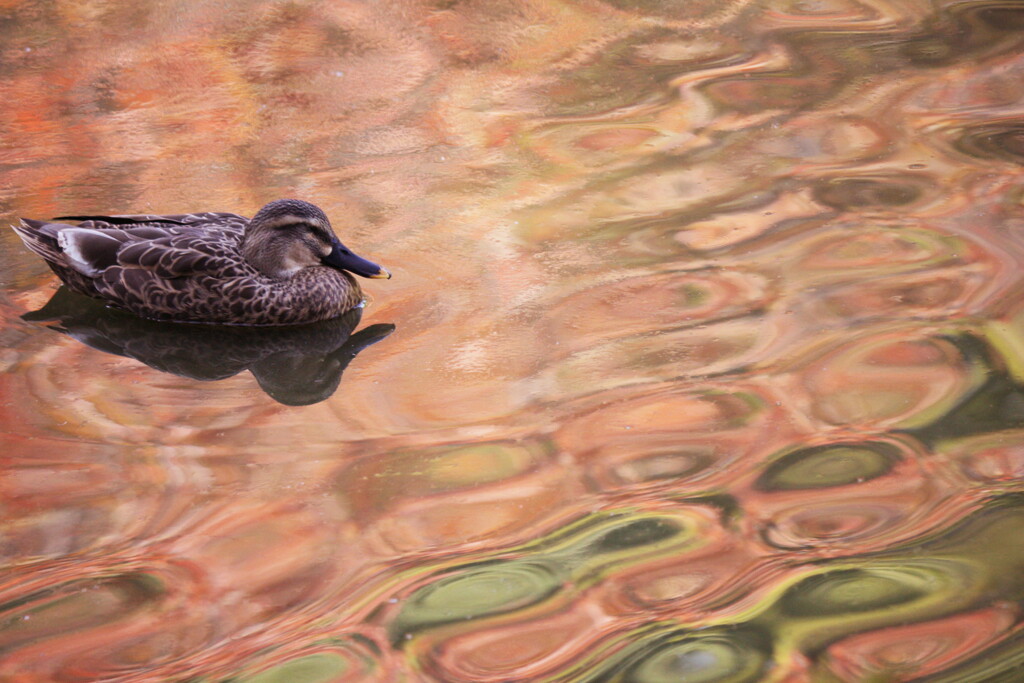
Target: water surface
(703,358)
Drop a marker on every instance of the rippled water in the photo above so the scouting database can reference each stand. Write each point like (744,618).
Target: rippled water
(703,358)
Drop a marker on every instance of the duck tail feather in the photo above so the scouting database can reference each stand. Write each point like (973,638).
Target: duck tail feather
(40,237)
(90,252)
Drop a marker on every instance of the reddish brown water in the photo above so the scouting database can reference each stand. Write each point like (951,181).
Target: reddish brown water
(708,360)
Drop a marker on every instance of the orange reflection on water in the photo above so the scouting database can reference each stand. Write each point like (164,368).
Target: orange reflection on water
(707,358)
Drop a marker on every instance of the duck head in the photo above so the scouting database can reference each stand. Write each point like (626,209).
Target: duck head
(288,235)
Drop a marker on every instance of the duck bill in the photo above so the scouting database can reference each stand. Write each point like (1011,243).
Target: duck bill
(342,258)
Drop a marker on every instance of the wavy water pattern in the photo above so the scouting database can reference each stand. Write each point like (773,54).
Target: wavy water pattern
(703,358)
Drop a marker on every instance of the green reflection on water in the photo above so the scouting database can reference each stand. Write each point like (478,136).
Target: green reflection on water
(853,591)
(832,465)
(593,547)
(660,654)
(996,404)
(716,657)
(318,668)
(955,571)
(481,592)
(77,605)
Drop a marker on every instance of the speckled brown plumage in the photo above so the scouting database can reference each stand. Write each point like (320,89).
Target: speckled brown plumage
(284,266)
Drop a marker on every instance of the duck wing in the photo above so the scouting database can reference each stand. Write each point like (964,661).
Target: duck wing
(207,220)
(177,245)
(167,253)
(147,266)
(185,254)
(173,276)
(42,237)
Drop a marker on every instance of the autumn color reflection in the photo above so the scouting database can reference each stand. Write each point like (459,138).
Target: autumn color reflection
(704,355)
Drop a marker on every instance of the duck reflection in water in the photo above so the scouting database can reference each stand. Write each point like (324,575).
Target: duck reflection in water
(295,365)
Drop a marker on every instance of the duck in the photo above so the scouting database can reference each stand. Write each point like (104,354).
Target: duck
(284,266)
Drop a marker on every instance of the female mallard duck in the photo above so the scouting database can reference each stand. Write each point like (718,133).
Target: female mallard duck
(285,266)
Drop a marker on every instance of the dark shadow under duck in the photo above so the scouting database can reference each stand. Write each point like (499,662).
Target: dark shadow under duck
(294,365)
(283,267)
